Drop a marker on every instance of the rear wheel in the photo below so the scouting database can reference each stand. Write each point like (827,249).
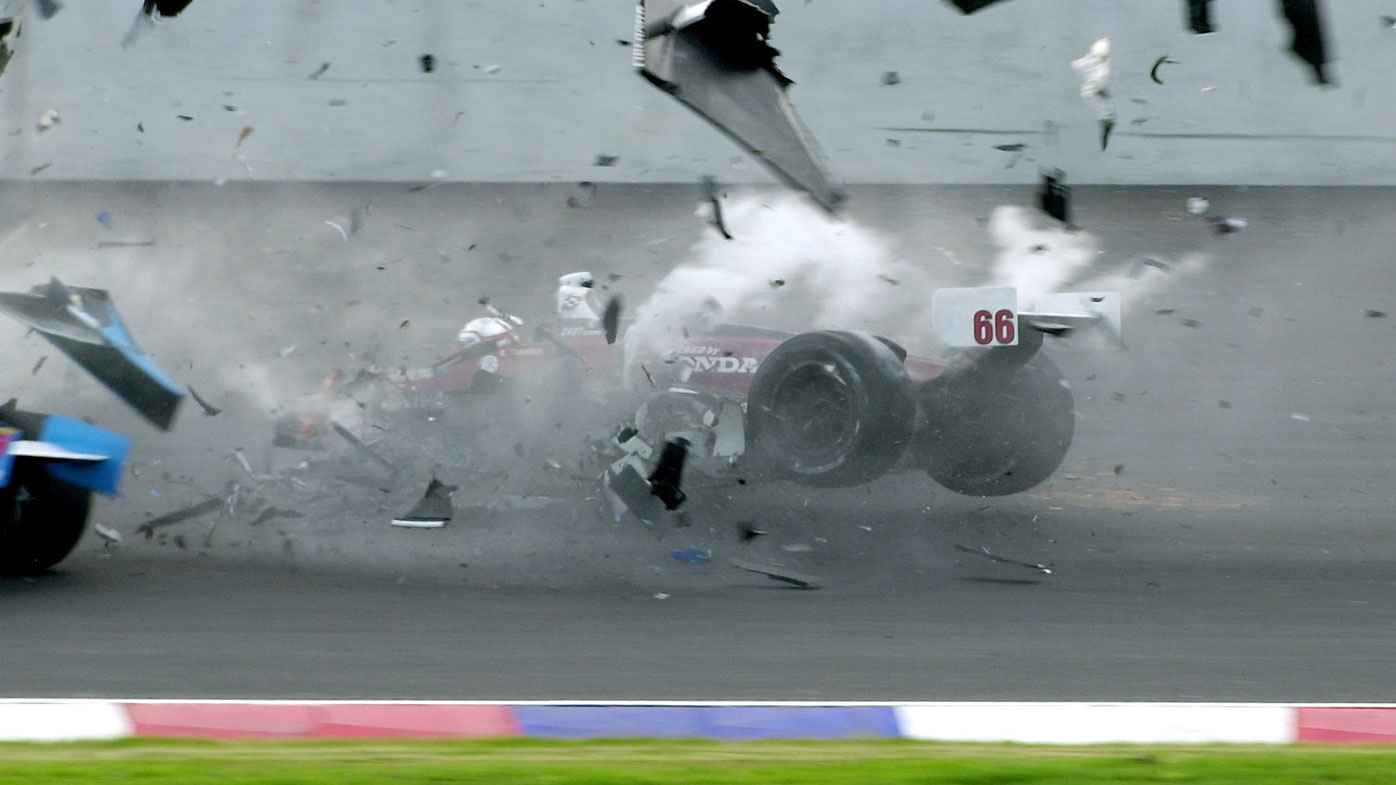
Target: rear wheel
(992,431)
(830,408)
(41,519)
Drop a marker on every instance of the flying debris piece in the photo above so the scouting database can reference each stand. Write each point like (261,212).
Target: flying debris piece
(1146,261)
(1094,70)
(84,324)
(9,34)
(1197,206)
(984,551)
(691,555)
(1153,72)
(714,57)
(610,318)
(104,218)
(1300,417)
(342,232)
(634,494)
(1200,16)
(605,160)
(748,531)
(433,511)
(242,137)
(1017,149)
(427,63)
(47,8)
(890,78)
(797,579)
(970,6)
(776,283)
(356,220)
(1370,314)
(44,359)
(363,449)
(667,475)
(319,72)
(1389,22)
(109,535)
(1224,224)
(710,194)
(1308,41)
(150,11)
(204,507)
(164,7)
(40,168)
(1054,197)
(209,409)
(48,120)
(272,513)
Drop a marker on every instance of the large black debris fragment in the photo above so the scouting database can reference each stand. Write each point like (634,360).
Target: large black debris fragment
(1054,196)
(164,7)
(797,579)
(714,57)
(667,476)
(84,324)
(983,551)
(610,318)
(9,34)
(150,11)
(1307,43)
(433,511)
(1200,16)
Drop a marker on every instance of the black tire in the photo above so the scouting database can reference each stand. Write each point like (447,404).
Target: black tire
(830,409)
(41,519)
(992,431)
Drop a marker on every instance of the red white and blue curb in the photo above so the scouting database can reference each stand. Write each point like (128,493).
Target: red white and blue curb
(1022,722)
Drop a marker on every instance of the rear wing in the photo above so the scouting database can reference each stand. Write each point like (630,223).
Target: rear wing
(75,452)
(987,316)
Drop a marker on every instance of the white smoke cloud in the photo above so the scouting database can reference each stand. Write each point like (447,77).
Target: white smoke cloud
(838,274)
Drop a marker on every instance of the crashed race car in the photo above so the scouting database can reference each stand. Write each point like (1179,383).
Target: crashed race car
(823,408)
(49,464)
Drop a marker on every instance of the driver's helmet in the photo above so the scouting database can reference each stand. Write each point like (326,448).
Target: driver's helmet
(485,328)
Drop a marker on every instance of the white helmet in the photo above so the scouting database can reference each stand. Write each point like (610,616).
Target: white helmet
(482,329)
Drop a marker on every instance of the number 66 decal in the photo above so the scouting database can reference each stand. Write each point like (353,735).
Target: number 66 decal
(997,327)
(976,316)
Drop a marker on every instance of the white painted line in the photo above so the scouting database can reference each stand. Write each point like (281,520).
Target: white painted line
(63,721)
(1099,723)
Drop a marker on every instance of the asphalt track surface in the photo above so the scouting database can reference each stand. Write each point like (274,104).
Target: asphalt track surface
(1221,529)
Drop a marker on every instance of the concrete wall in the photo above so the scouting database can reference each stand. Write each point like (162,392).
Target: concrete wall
(534,91)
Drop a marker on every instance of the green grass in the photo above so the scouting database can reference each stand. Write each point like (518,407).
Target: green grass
(535,762)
